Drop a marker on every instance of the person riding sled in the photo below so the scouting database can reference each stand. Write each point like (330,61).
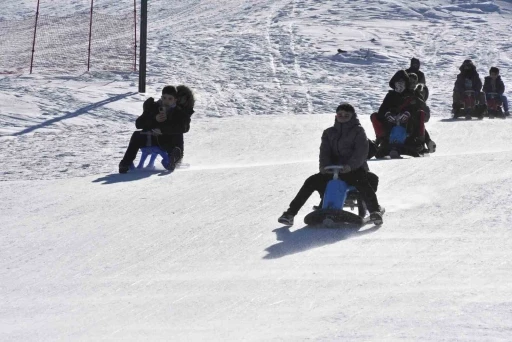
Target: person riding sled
(162,124)
(345,144)
(494,84)
(405,108)
(468,80)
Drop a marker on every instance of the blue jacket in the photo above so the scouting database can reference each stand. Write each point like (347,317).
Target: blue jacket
(498,87)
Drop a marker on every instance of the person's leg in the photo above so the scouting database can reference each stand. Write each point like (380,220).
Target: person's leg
(379,128)
(316,182)
(359,179)
(373,179)
(137,141)
(456,106)
(505,104)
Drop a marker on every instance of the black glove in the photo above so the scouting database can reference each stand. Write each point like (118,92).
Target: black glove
(148,104)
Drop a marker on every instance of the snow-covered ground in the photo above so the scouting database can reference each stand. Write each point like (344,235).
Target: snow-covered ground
(87,254)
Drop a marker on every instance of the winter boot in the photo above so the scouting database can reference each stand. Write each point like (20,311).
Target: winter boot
(123,167)
(431,145)
(174,159)
(376,216)
(286,219)
(393,154)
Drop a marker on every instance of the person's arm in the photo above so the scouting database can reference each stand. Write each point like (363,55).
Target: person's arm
(421,78)
(325,152)
(177,122)
(360,153)
(487,86)
(385,107)
(147,120)
(477,83)
(500,86)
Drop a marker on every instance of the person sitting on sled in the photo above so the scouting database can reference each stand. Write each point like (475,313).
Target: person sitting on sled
(345,144)
(421,91)
(468,79)
(162,124)
(494,84)
(401,106)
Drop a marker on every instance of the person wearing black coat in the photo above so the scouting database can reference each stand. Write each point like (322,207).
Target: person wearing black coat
(346,144)
(162,124)
(415,68)
(468,79)
(402,100)
(494,84)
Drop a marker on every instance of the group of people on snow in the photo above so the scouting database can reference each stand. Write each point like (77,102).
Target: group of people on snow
(163,123)
(346,142)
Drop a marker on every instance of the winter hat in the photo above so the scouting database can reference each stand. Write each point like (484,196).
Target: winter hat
(495,70)
(467,65)
(169,90)
(398,76)
(415,61)
(346,107)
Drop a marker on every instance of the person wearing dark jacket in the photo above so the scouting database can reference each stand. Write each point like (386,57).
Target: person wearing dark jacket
(404,102)
(421,91)
(161,123)
(468,79)
(415,68)
(344,144)
(494,84)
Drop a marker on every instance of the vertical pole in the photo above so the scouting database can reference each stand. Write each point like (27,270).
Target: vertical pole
(90,38)
(34,41)
(143,44)
(135,36)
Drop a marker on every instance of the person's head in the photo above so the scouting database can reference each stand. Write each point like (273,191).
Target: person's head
(467,66)
(345,112)
(415,64)
(185,97)
(413,80)
(169,96)
(494,72)
(400,81)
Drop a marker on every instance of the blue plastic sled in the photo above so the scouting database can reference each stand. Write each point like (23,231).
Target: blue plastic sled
(335,197)
(152,152)
(398,135)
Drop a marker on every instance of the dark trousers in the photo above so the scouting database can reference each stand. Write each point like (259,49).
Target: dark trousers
(140,139)
(317,182)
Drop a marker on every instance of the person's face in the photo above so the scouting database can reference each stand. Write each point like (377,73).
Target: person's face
(343,116)
(415,66)
(400,86)
(494,75)
(412,84)
(168,100)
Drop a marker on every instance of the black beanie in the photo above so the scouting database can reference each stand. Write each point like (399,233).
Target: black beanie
(169,90)
(346,107)
(494,69)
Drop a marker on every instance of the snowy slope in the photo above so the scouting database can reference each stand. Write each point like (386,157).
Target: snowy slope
(87,254)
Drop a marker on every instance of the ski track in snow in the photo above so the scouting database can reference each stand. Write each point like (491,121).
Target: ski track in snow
(86,253)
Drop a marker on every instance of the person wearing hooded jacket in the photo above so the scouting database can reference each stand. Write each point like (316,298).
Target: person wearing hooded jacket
(468,79)
(494,84)
(415,68)
(414,112)
(344,144)
(162,124)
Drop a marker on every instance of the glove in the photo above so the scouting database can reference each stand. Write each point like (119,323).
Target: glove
(346,169)
(148,104)
(156,131)
(323,171)
(405,117)
(390,117)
